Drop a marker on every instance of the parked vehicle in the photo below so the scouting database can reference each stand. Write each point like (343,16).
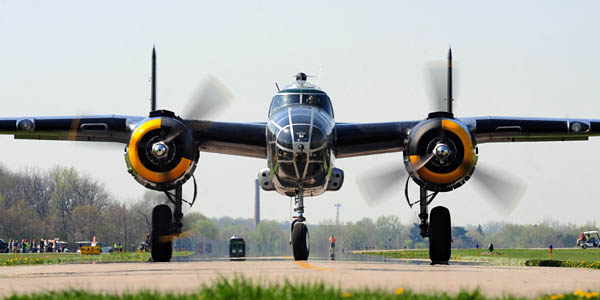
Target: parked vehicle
(106,250)
(61,246)
(589,239)
(237,247)
(143,247)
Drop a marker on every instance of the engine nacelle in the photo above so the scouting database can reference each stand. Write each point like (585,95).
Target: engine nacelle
(161,152)
(450,149)
(336,181)
(265,179)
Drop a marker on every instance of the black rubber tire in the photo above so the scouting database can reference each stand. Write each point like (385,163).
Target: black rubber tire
(162,221)
(440,235)
(300,241)
(584,246)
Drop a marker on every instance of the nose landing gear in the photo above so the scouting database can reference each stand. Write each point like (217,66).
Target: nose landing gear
(299,237)
(300,241)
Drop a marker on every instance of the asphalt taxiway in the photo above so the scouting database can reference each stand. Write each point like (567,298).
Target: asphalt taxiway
(190,275)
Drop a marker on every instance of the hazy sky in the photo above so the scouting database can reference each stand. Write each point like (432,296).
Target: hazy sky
(516,58)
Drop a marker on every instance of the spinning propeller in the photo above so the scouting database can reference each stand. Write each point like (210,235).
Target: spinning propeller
(171,149)
(209,98)
(440,155)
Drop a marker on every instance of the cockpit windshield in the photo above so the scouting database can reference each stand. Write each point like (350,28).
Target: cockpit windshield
(320,100)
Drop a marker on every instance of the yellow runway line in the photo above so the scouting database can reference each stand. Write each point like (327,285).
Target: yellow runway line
(306,265)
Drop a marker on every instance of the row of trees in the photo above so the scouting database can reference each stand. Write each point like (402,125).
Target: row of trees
(386,232)
(61,203)
(66,204)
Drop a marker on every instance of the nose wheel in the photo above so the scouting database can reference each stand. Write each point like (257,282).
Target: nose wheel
(299,232)
(300,241)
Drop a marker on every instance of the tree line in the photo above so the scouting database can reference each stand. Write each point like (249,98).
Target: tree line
(63,203)
(386,232)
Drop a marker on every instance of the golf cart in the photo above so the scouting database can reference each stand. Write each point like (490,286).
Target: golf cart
(591,239)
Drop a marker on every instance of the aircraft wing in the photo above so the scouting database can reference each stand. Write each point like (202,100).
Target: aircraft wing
(374,138)
(248,139)
(353,139)
(110,128)
(514,129)
(243,139)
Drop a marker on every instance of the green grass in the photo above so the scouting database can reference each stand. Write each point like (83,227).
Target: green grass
(239,288)
(7,260)
(589,258)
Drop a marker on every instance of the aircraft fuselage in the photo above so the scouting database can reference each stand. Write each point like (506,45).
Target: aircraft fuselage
(300,140)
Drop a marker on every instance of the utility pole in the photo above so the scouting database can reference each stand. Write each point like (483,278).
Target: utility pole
(256,203)
(337,213)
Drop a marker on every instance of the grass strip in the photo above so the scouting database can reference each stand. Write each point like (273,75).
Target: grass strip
(562,263)
(240,288)
(574,258)
(7,260)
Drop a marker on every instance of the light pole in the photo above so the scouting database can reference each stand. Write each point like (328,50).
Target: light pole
(337,213)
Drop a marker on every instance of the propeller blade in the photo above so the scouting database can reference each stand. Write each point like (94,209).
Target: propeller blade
(72,136)
(377,186)
(435,77)
(436,73)
(108,146)
(211,97)
(173,237)
(503,189)
(172,136)
(163,164)
(421,163)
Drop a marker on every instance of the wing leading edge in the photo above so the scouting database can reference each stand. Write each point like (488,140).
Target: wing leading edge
(370,138)
(242,139)
(249,139)
(514,129)
(111,128)
(375,138)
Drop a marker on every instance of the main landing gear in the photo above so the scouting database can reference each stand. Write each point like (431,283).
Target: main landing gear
(166,226)
(438,229)
(299,238)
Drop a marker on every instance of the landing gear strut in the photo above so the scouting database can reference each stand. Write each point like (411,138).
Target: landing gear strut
(438,229)
(165,226)
(299,232)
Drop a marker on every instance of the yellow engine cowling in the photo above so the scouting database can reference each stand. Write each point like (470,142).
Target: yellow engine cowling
(440,173)
(161,153)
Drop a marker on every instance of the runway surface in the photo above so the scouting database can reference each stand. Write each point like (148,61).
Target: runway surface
(186,276)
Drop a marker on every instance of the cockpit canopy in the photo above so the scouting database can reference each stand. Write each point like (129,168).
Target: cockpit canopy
(293,97)
(301,92)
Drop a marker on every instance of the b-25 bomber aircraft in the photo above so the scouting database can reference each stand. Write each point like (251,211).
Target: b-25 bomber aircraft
(299,142)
